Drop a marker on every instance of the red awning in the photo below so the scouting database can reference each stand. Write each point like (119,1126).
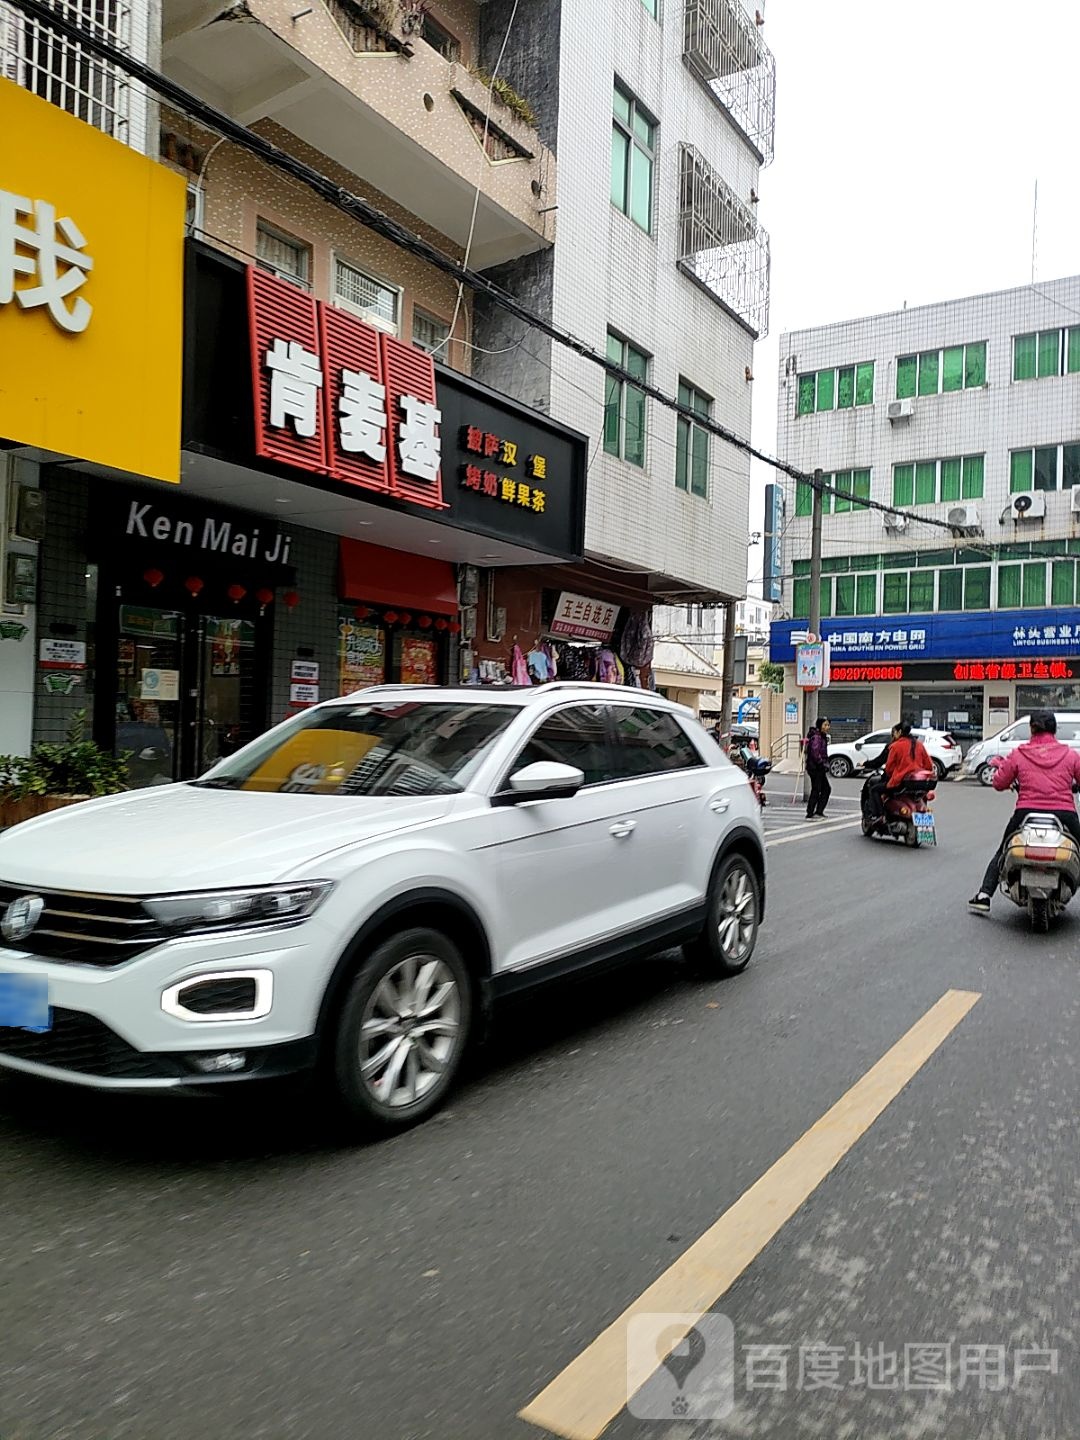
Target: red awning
(392,577)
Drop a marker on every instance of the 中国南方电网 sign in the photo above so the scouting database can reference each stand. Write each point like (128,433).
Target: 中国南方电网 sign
(91,292)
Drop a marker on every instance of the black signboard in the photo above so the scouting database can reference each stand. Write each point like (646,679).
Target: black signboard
(508,472)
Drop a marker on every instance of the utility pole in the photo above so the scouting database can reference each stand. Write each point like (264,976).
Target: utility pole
(727,684)
(810,697)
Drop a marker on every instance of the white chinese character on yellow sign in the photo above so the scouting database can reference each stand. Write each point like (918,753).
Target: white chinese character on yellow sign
(49,251)
(418,444)
(363,415)
(295,380)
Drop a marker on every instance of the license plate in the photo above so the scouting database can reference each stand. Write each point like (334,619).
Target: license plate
(925,829)
(24,1002)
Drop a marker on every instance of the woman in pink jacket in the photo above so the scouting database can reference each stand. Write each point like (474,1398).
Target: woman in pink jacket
(1045,772)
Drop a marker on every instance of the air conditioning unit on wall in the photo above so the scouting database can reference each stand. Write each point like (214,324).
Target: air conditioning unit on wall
(901,410)
(897,523)
(963,517)
(1031,506)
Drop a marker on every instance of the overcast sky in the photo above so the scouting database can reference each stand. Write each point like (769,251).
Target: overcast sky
(909,136)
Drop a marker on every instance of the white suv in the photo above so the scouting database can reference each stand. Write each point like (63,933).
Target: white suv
(977,760)
(943,750)
(351,891)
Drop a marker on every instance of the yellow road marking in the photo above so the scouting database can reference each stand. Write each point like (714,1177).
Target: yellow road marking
(581,1402)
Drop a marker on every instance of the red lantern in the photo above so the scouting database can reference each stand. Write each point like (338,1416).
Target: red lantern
(440,623)
(291,599)
(193,584)
(236,593)
(405,617)
(264,596)
(454,627)
(424,622)
(153,578)
(391,617)
(361,612)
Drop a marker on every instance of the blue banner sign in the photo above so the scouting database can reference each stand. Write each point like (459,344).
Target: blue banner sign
(982,634)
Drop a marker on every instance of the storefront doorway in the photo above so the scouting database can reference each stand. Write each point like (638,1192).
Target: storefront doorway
(186,692)
(958,711)
(850,711)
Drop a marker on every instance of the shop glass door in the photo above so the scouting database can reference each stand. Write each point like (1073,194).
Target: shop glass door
(150,662)
(223,713)
(958,711)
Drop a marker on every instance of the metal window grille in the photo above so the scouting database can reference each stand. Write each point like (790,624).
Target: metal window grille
(723,46)
(428,333)
(63,72)
(720,242)
(377,303)
(287,259)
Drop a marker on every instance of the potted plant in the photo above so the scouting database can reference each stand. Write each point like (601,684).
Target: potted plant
(55,775)
(413,15)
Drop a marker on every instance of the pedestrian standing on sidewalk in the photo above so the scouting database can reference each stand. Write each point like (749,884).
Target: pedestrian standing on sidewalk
(817,768)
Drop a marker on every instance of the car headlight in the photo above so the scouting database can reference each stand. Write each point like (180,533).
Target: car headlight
(265,905)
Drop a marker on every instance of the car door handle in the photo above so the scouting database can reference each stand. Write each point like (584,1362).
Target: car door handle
(720,805)
(623,828)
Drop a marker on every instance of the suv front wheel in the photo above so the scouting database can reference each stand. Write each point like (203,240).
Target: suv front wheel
(402,1031)
(727,942)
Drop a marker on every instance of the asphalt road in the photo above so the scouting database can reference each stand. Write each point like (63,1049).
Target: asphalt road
(173,1269)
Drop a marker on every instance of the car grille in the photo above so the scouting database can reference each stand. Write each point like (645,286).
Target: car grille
(85,929)
(85,1044)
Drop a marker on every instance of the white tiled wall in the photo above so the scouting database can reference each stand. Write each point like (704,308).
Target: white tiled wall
(609,273)
(1001,416)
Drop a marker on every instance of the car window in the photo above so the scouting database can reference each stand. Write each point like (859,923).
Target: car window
(878,738)
(649,742)
(1068,730)
(1020,732)
(575,736)
(399,747)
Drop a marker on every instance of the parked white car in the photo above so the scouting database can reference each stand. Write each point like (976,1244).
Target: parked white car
(355,888)
(844,759)
(977,760)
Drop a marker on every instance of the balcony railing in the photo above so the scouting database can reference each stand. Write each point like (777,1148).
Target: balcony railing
(723,46)
(720,242)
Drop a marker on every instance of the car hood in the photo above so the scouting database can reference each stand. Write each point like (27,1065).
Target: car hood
(182,837)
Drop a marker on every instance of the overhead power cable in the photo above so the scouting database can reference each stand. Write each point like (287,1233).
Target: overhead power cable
(374,219)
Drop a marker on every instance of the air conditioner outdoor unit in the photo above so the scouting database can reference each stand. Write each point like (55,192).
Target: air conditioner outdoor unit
(1074,504)
(901,409)
(963,517)
(894,522)
(1031,506)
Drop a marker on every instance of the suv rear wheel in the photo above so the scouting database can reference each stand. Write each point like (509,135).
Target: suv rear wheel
(402,1031)
(726,944)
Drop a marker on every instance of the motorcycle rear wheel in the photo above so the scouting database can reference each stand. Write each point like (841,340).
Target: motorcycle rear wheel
(1039,911)
(867,826)
(911,837)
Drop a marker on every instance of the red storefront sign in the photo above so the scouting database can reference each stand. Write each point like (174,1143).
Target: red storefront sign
(336,397)
(866,673)
(1010,670)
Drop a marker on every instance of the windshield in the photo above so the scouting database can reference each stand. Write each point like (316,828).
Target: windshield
(399,747)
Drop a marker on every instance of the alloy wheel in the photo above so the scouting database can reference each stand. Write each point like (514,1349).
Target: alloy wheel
(410,1031)
(738,916)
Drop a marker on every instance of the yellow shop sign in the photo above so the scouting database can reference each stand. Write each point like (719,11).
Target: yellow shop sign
(91,292)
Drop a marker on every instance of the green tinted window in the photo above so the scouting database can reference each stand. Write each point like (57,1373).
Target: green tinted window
(866,594)
(921,591)
(804,498)
(895,595)
(906,375)
(641,172)
(1020,471)
(845,388)
(860,485)
(950,589)
(801,567)
(1008,587)
(845,595)
(1070,466)
(800,599)
(682,454)
(975,365)
(903,485)
(1063,583)
(928,372)
(624,405)
(699,473)
(632,138)
(1046,467)
(826,389)
(1024,347)
(805,404)
(1072,349)
(864,383)
(620,167)
(1035,585)
(1049,352)
(612,415)
(977,588)
(950,479)
(925,482)
(842,481)
(826,596)
(974,474)
(952,368)
(634,443)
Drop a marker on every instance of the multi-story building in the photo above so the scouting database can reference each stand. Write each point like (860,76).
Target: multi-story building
(961,610)
(691,638)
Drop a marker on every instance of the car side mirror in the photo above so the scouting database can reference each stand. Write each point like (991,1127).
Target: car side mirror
(544,780)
